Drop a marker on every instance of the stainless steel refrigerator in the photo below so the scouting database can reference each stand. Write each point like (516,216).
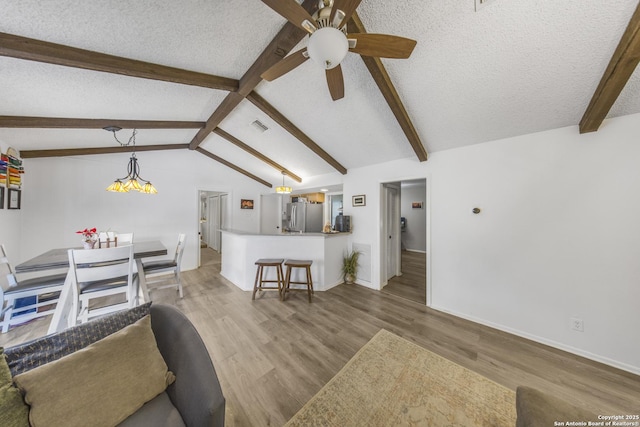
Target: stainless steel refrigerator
(305,217)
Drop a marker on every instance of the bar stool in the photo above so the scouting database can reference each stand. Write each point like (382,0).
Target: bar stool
(296,263)
(258,284)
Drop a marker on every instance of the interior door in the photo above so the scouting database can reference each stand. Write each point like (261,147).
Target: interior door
(224,217)
(270,213)
(392,230)
(214,223)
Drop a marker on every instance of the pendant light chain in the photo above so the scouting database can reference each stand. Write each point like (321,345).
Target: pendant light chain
(132,139)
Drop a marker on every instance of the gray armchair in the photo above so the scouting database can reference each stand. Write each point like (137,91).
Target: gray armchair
(196,393)
(195,398)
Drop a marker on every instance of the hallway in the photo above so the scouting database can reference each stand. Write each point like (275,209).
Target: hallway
(412,284)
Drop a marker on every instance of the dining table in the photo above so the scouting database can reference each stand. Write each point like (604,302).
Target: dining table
(56,259)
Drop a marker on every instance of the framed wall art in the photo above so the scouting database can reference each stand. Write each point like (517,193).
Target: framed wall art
(246,204)
(14,197)
(359,200)
(416,205)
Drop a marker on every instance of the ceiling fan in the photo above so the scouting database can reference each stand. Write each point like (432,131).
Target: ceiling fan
(329,42)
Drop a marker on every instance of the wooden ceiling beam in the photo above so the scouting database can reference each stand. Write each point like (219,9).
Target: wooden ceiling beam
(388,90)
(36,50)
(270,110)
(232,166)
(74,123)
(232,139)
(66,152)
(624,61)
(279,47)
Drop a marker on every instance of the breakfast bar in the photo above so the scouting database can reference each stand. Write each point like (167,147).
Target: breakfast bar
(241,249)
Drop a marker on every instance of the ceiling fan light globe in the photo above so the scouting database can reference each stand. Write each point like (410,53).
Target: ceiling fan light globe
(328,47)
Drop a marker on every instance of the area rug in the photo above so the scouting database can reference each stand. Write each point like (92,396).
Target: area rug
(393,382)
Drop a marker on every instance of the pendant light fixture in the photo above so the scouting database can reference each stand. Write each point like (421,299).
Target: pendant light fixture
(283,189)
(133,180)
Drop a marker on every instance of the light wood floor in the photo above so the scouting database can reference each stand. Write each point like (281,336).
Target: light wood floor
(272,356)
(412,284)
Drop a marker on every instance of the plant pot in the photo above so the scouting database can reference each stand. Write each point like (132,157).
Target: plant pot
(88,244)
(349,278)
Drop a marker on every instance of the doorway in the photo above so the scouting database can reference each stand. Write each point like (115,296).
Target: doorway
(405,239)
(212,214)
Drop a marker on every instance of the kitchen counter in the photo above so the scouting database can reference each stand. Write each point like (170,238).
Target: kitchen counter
(285,233)
(240,251)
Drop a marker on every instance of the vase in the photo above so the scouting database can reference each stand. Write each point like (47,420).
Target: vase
(349,278)
(88,244)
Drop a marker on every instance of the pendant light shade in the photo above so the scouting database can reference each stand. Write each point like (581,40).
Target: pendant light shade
(283,189)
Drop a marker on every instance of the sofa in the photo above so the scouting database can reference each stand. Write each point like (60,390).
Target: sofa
(114,360)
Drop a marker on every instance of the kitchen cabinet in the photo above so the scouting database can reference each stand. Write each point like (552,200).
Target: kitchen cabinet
(311,197)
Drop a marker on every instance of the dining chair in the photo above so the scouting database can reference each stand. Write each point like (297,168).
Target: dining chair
(44,290)
(107,239)
(157,269)
(124,239)
(105,275)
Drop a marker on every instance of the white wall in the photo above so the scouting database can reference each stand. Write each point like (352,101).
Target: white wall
(10,222)
(557,237)
(63,195)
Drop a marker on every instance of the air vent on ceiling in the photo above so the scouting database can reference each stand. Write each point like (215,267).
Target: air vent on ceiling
(260,126)
(482,3)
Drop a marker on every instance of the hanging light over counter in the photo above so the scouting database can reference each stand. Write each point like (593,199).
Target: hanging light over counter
(282,189)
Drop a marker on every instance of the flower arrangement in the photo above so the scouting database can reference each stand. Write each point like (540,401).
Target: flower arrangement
(89,234)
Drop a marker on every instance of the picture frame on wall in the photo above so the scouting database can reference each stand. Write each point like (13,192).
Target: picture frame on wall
(14,198)
(1,197)
(359,200)
(246,204)
(416,205)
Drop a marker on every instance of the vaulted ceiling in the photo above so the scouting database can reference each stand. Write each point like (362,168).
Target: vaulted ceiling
(187,75)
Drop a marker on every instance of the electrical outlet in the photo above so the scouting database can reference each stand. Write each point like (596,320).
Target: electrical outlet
(482,3)
(577,324)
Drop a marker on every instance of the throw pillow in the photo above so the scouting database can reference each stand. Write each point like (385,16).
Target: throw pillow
(100,385)
(24,357)
(537,409)
(13,411)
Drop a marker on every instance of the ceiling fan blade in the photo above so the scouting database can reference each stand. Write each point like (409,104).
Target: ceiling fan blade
(287,64)
(335,82)
(347,6)
(382,45)
(294,13)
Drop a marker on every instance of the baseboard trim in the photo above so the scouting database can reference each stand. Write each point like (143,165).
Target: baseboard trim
(579,352)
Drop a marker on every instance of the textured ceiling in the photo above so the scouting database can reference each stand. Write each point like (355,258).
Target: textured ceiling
(512,68)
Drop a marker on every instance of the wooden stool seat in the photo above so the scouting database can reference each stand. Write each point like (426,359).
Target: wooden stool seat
(263,263)
(296,263)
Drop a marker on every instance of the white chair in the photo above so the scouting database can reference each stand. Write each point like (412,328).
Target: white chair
(105,274)
(107,239)
(157,269)
(123,239)
(46,291)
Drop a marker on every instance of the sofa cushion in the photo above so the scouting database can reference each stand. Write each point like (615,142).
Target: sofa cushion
(24,357)
(537,409)
(100,385)
(158,412)
(13,411)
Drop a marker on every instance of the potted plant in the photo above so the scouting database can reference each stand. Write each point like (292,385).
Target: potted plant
(350,266)
(89,237)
